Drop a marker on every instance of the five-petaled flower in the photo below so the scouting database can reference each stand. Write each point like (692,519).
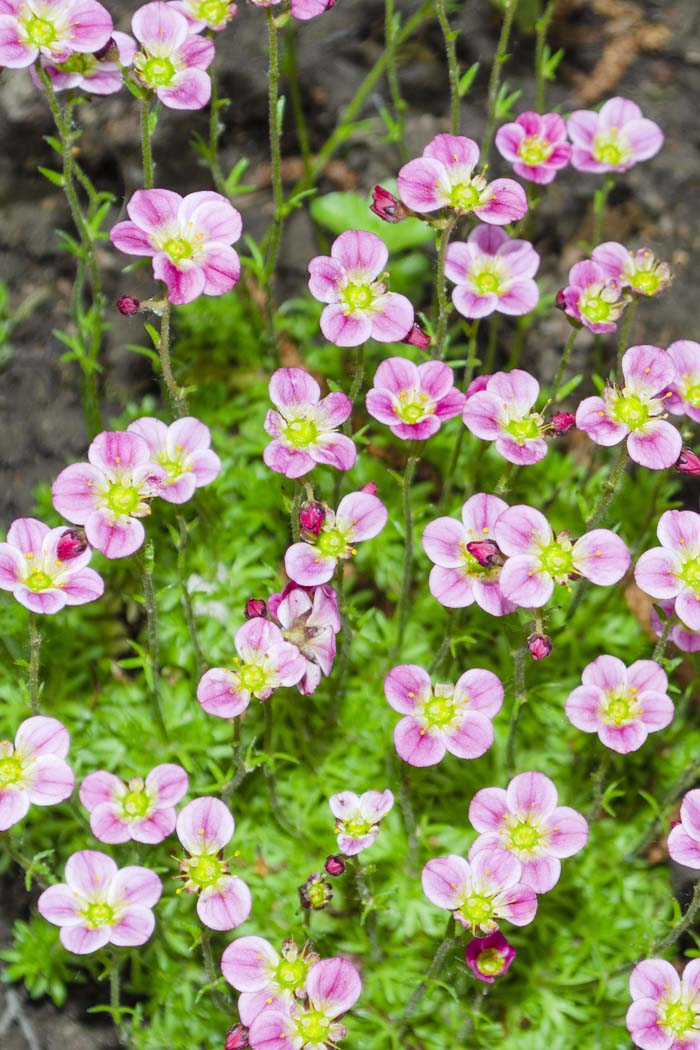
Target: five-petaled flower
(34,567)
(33,771)
(204,827)
(351,281)
(53,30)
(142,810)
(205,14)
(480,891)
(304,425)
(442,717)
(360,516)
(592,298)
(492,272)
(640,271)
(309,618)
(358,818)
(182,450)
(536,145)
(525,820)
(172,59)
(265,977)
(444,177)
(613,139)
(665,1008)
(413,400)
(101,904)
(673,569)
(503,413)
(189,239)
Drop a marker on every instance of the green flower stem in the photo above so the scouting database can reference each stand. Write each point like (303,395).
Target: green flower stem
(239,766)
(405,598)
(494,329)
(294,514)
(346,637)
(146,146)
(597,515)
(500,58)
(519,701)
(214,134)
(366,902)
(115,1004)
(275,806)
(623,338)
(541,27)
(358,375)
(291,70)
(448,944)
(178,404)
(212,972)
(563,363)
(600,200)
(34,654)
(437,348)
(450,37)
(185,599)
(599,780)
(144,562)
(391,24)
(504,482)
(409,816)
(275,136)
(678,788)
(660,647)
(662,945)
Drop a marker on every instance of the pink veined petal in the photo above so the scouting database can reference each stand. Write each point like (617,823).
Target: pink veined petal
(159,27)
(255,637)
(450,406)
(582,127)
(40,735)
(617,112)
(27,535)
(690,813)
(655,573)
(135,885)
(405,685)
(654,978)
(50,780)
(608,673)
(154,829)
(82,941)
(333,986)
(118,449)
(306,566)
(453,151)
(114,538)
(360,252)
(657,711)
(46,603)
(270,1030)
(522,297)
(679,530)
(643,1024)
(493,870)
(518,904)
(683,849)
(472,305)
(443,541)
(292,462)
(645,137)
(516,387)
(568,832)
(418,746)
(472,738)
(83,586)
(343,328)
(59,905)
(73,492)
(531,793)
(691,978)
(344,805)
(490,598)
(184,285)
(381,407)
(334,450)
(326,277)
(647,369)
(489,239)
(657,446)
(89,872)
(169,781)
(582,706)
(524,453)
(646,675)
(601,556)
(460,258)
(14,53)
(523,582)
(480,514)
(11,567)
(14,805)
(152,210)
(206,466)
(248,962)
(197,52)
(488,809)
(624,738)
(521,530)
(392,317)
(293,386)
(509,139)
(205,826)
(134,927)
(397,374)
(482,690)
(446,881)
(508,203)
(100,787)
(361,515)
(222,268)
(226,905)
(107,824)
(541,874)
(90,26)
(482,414)
(451,587)
(593,419)
(612,257)
(129,238)
(333,410)
(421,184)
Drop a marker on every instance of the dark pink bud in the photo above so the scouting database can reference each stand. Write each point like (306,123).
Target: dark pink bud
(370,488)
(563,422)
(560,300)
(315,893)
(486,553)
(237,1038)
(387,206)
(539,646)
(312,515)
(480,383)
(417,337)
(255,607)
(335,865)
(128,306)
(71,544)
(688,462)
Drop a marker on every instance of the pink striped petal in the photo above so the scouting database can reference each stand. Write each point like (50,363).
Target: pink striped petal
(14,805)
(59,905)
(488,809)
(82,941)
(134,927)
(205,826)
(473,737)
(523,582)
(50,780)
(446,881)
(568,832)
(169,781)
(683,849)
(89,872)
(226,905)
(100,788)
(418,746)
(451,587)
(345,329)
(405,685)
(248,962)
(135,885)
(333,986)
(482,690)
(40,735)
(653,979)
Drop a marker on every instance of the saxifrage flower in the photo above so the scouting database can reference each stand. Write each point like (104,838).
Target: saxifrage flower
(35,569)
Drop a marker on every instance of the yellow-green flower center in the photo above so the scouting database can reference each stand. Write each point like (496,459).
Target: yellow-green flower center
(332,544)
(619,708)
(356,827)
(136,803)
(631,410)
(252,677)
(213,11)
(595,309)
(358,296)
(98,914)
(486,281)
(155,71)
(490,962)
(78,63)
(534,150)
(291,974)
(678,1018)
(206,870)
(690,574)
(645,281)
(525,429)
(413,406)
(38,581)
(523,837)
(439,711)
(122,498)
(10,770)
(610,148)
(477,910)
(300,433)
(39,31)
(314,1027)
(464,197)
(691,394)
(177,249)
(557,559)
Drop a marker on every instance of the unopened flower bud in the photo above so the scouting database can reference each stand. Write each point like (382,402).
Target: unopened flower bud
(128,306)
(370,488)
(486,552)
(335,865)
(237,1038)
(312,515)
(688,462)
(255,607)
(563,422)
(539,646)
(417,337)
(387,206)
(71,544)
(315,893)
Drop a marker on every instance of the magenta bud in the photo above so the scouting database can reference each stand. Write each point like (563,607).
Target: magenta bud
(486,553)
(255,607)
(489,957)
(539,646)
(417,337)
(312,515)
(315,893)
(387,206)
(563,422)
(335,865)
(128,306)
(370,488)
(71,544)
(560,300)
(237,1038)
(688,462)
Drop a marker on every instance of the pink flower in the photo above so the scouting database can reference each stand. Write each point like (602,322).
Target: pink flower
(182,450)
(305,424)
(142,810)
(685,640)
(189,239)
(109,493)
(101,904)
(34,771)
(537,559)
(444,178)
(480,891)
(96,74)
(663,1014)
(593,298)
(639,271)
(442,717)
(54,30)
(539,646)
(303,10)
(264,977)
(634,411)
(351,281)
(503,413)
(614,139)
(205,827)
(310,621)
(458,578)
(683,394)
(536,145)
(673,569)
(526,821)
(413,400)
(492,271)
(172,60)
(684,838)
(332,987)
(265,662)
(489,957)
(205,14)
(621,704)
(39,578)
(358,817)
(360,516)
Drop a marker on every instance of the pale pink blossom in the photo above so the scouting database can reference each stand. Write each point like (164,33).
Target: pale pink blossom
(140,810)
(492,272)
(640,271)
(182,450)
(683,394)
(413,400)
(304,426)
(205,14)
(52,29)
(264,977)
(664,1010)
(358,818)
(205,827)
(33,771)
(614,139)
(592,298)
(503,413)
(96,74)
(309,619)
(481,891)
(35,569)
(673,569)
(536,145)
(171,60)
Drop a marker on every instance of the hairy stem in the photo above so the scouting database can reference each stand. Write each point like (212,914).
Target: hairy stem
(365,900)
(358,375)
(275,135)
(239,766)
(34,653)
(450,38)
(625,327)
(291,70)
(563,363)
(520,699)
(662,945)
(443,307)
(541,27)
(405,598)
(597,515)
(660,647)
(448,943)
(146,145)
(214,133)
(212,971)
(495,78)
(178,404)
(600,200)
(185,599)
(144,563)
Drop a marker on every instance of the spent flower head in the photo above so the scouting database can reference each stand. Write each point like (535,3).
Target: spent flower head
(489,957)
